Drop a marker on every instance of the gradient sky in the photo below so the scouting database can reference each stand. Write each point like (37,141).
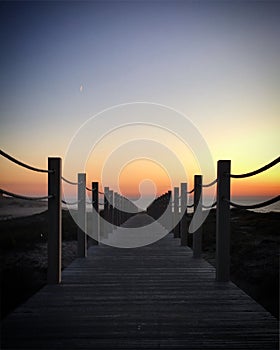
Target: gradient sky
(216,62)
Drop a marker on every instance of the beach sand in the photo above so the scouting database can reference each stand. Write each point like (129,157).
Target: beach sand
(14,208)
(23,244)
(23,247)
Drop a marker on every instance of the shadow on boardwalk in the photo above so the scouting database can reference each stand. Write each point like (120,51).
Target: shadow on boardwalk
(152,297)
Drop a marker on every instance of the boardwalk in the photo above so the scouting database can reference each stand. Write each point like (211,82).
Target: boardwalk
(154,297)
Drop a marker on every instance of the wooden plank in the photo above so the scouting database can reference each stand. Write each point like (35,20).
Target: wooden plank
(151,297)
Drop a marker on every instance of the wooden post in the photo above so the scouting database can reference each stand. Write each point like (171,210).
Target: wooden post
(82,239)
(184,229)
(176,213)
(111,209)
(223,222)
(197,235)
(95,212)
(170,217)
(119,209)
(106,212)
(54,218)
(115,209)
(123,209)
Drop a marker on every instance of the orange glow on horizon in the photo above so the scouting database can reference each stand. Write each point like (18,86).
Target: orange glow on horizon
(22,181)
(139,175)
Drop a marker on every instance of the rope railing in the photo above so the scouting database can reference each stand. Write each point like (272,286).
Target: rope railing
(258,171)
(163,202)
(254,206)
(19,196)
(69,203)
(209,206)
(210,184)
(54,201)
(69,182)
(24,165)
(222,203)
(90,189)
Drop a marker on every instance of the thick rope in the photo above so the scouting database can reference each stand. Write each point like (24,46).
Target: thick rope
(19,196)
(210,184)
(209,206)
(68,181)
(69,203)
(14,160)
(258,171)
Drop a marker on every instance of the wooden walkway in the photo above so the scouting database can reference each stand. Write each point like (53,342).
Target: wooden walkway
(154,297)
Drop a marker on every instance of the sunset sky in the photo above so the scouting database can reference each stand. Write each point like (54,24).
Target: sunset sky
(215,62)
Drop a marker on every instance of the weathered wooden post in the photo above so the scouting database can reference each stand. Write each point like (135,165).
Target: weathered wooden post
(184,229)
(223,222)
(106,212)
(117,206)
(197,235)
(119,210)
(95,212)
(54,213)
(169,211)
(82,239)
(176,213)
(116,210)
(161,209)
(111,210)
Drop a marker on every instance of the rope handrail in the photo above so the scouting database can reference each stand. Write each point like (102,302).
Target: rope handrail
(189,192)
(209,206)
(258,171)
(14,160)
(100,203)
(100,192)
(254,206)
(68,181)
(190,206)
(90,189)
(210,183)
(19,196)
(69,203)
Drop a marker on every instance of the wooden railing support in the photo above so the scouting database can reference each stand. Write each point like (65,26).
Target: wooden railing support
(95,212)
(169,211)
(197,235)
(223,222)
(54,213)
(111,210)
(183,223)
(82,238)
(106,213)
(176,213)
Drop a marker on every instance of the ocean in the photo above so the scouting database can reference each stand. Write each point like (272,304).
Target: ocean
(238,200)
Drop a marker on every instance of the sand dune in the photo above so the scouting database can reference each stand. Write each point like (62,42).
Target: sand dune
(14,208)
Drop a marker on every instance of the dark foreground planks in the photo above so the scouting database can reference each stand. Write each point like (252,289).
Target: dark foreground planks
(155,297)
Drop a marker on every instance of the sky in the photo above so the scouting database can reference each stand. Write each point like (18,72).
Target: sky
(215,62)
